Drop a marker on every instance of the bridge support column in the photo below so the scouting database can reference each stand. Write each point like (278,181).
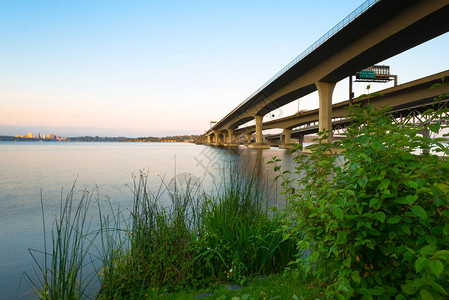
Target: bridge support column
(209,141)
(286,143)
(217,138)
(325,90)
(259,136)
(229,140)
(301,141)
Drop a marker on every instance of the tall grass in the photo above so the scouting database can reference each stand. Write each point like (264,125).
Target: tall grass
(242,230)
(196,240)
(61,270)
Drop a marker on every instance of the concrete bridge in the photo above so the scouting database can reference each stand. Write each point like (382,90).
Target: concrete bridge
(375,31)
(413,96)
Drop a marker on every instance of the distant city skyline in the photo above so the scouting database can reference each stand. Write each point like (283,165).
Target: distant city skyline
(160,68)
(49,136)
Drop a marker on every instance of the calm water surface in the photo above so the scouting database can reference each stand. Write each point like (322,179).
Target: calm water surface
(27,168)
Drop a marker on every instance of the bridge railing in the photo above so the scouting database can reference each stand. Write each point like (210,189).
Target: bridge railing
(348,19)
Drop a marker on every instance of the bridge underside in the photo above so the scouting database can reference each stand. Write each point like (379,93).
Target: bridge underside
(384,30)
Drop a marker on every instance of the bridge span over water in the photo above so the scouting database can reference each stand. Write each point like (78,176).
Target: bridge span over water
(410,99)
(375,31)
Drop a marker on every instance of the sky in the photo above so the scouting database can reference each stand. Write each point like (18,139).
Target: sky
(155,68)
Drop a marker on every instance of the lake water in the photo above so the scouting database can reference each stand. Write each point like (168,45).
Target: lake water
(27,168)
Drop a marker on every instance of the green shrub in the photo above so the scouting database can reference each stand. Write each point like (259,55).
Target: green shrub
(375,220)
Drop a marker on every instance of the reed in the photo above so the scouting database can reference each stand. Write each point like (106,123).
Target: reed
(61,270)
(195,240)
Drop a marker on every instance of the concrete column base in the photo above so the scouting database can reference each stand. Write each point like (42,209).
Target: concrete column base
(230,145)
(259,146)
(286,146)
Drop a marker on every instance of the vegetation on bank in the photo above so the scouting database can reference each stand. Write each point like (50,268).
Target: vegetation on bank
(370,224)
(375,221)
(197,241)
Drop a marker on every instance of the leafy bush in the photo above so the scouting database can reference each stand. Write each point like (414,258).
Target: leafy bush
(375,220)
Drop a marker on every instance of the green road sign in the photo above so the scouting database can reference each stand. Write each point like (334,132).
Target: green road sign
(367,75)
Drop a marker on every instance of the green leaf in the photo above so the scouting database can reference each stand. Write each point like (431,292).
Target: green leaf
(400,200)
(245,297)
(365,293)
(350,192)
(374,232)
(347,262)
(435,85)
(377,291)
(436,267)
(373,201)
(338,212)
(426,250)
(441,253)
(431,240)
(384,184)
(394,220)
(426,295)
(412,184)
(420,263)
(363,181)
(405,229)
(419,211)
(408,289)
(419,282)
(380,216)
(355,276)
(400,297)
(411,198)
(418,229)
(392,235)
(342,236)
(435,127)
(437,287)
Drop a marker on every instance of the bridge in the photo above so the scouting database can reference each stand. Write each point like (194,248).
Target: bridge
(405,99)
(375,31)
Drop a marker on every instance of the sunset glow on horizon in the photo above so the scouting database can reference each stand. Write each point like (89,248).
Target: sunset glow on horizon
(156,68)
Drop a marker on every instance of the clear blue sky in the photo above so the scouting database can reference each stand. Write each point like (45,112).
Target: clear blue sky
(140,68)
